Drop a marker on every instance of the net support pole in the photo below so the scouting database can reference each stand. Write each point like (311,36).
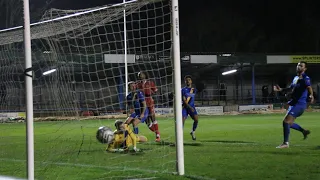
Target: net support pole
(241,82)
(29,93)
(318,93)
(253,85)
(177,87)
(125,48)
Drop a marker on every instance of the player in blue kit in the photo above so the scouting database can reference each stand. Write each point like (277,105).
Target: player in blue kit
(136,99)
(300,87)
(188,95)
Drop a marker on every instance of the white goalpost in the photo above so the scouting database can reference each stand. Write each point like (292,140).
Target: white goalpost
(72,63)
(125,48)
(29,92)
(177,86)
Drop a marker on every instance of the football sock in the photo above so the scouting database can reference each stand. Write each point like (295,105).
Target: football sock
(297,127)
(151,127)
(195,125)
(286,131)
(136,130)
(156,127)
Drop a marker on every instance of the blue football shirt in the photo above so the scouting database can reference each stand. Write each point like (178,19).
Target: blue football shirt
(299,90)
(136,98)
(186,92)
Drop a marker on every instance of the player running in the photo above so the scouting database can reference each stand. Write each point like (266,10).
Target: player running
(136,99)
(188,95)
(124,138)
(149,88)
(300,88)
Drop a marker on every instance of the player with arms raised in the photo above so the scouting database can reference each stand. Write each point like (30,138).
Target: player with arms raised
(149,88)
(300,87)
(188,95)
(124,138)
(136,99)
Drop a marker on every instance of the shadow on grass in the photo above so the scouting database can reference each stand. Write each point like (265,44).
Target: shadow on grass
(285,153)
(89,151)
(281,152)
(173,144)
(131,152)
(199,143)
(191,177)
(229,142)
(317,148)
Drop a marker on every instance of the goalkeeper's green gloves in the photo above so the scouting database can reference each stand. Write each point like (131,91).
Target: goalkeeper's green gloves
(135,149)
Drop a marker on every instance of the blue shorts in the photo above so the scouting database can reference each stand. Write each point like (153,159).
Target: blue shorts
(137,115)
(296,110)
(186,112)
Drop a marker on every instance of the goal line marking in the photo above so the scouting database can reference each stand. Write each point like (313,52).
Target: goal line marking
(107,167)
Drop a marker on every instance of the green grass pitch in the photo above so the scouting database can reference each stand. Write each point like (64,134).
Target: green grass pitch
(227,147)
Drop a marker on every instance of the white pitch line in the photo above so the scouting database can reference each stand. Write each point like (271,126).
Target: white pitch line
(9,178)
(143,178)
(84,165)
(106,167)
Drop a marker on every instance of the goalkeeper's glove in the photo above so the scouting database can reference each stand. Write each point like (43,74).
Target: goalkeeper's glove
(136,149)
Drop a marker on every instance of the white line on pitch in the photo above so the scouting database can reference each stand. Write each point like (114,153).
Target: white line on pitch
(143,178)
(84,165)
(104,167)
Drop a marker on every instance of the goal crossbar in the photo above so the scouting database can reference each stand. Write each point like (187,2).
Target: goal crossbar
(71,15)
(15,34)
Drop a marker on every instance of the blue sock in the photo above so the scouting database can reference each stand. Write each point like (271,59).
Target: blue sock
(297,127)
(195,125)
(136,130)
(286,131)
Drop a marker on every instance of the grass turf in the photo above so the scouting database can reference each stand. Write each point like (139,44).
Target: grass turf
(227,147)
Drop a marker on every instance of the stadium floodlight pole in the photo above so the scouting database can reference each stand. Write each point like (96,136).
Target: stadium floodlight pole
(29,93)
(229,72)
(177,86)
(125,47)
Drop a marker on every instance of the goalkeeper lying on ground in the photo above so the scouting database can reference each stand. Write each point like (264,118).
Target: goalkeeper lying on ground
(124,138)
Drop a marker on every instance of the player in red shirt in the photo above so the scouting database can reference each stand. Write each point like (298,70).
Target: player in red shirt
(149,88)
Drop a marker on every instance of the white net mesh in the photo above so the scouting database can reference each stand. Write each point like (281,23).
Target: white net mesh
(86,48)
(88,52)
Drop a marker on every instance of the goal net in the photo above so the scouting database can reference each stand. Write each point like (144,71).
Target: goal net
(79,84)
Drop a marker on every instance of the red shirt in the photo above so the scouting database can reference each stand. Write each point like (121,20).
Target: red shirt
(147,87)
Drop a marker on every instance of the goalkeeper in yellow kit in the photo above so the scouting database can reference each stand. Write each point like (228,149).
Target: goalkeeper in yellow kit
(124,138)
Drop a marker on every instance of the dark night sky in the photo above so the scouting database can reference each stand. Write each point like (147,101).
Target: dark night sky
(265,26)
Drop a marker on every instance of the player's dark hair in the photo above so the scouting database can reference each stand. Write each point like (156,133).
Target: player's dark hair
(305,63)
(187,76)
(117,124)
(131,82)
(145,73)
